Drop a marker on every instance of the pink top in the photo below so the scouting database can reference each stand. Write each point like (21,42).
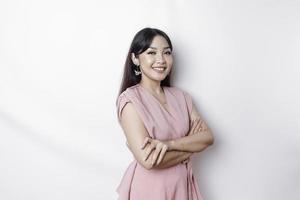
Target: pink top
(174,183)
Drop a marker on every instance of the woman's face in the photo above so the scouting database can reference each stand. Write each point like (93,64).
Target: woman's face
(156,62)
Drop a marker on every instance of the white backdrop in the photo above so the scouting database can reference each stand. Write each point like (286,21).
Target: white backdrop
(61,64)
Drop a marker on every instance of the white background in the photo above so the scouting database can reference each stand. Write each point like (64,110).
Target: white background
(61,64)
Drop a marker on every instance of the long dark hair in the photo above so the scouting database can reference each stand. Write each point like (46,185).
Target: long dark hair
(140,43)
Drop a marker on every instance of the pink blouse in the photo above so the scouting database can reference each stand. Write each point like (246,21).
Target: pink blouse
(176,182)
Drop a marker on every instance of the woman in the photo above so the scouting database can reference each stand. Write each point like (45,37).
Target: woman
(162,126)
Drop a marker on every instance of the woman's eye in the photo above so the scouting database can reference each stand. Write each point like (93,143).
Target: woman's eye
(153,53)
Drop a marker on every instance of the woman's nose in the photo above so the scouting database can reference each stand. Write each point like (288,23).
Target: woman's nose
(160,58)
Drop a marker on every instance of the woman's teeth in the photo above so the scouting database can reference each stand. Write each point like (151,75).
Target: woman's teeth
(159,69)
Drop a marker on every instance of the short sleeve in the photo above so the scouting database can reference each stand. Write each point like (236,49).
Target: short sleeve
(121,102)
(130,96)
(189,102)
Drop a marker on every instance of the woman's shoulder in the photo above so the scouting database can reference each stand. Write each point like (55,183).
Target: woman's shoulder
(129,91)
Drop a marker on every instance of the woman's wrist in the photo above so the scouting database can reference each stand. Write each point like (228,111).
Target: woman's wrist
(171,145)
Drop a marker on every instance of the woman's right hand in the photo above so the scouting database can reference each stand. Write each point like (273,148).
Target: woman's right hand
(157,147)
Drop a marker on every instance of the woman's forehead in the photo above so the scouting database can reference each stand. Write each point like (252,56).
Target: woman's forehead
(159,42)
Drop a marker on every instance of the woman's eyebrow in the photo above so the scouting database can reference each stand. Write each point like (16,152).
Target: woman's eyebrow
(156,48)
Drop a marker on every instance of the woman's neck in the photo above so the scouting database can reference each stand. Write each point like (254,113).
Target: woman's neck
(153,86)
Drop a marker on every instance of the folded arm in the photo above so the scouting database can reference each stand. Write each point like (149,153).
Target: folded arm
(196,140)
(176,150)
(200,138)
(192,143)
(170,158)
(136,133)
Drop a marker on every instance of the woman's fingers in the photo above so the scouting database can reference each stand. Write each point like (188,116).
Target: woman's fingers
(198,126)
(156,153)
(146,140)
(193,128)
(204,126)
(155,147)
(162,154)
(150,148)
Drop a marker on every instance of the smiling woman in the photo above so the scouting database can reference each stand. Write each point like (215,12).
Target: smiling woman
(157,56)
(162,126)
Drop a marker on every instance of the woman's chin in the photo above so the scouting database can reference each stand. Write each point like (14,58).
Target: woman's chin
(157,76)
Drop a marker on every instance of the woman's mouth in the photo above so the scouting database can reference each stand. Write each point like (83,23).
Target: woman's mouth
(159,69)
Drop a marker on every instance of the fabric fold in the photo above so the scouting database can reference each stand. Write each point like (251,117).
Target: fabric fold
(193,189)
(125,185)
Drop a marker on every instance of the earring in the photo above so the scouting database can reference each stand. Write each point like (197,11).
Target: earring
(137,72)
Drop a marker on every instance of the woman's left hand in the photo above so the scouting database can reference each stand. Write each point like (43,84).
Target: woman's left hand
(159,147)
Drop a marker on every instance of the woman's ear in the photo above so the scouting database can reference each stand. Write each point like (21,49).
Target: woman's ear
(134,59)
